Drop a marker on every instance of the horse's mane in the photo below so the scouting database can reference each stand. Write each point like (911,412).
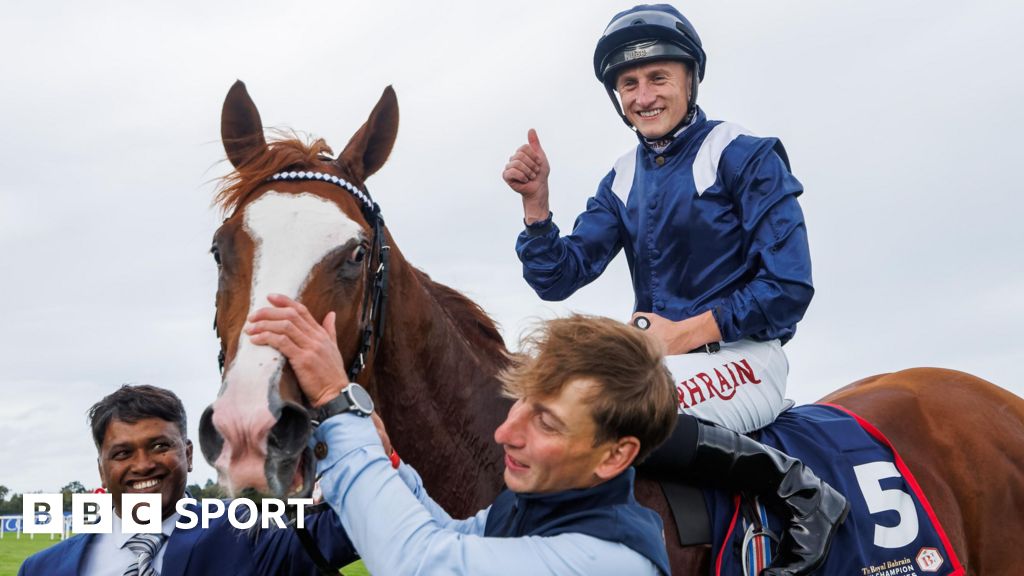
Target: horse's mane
(466,314)
(286,150)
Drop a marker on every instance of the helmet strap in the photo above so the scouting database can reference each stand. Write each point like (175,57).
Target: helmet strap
(692,104)
(618,107)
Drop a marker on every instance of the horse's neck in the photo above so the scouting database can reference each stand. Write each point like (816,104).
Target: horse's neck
(435,378)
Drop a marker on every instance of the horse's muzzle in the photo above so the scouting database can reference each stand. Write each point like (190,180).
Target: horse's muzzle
(267,458)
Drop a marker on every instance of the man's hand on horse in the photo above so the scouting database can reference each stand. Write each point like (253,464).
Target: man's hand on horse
(527,173)
(682,336)
(311,347)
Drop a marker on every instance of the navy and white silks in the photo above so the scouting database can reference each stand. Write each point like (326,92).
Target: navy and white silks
(710,223)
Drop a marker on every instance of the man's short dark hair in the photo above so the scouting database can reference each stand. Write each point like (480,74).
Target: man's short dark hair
(131,403)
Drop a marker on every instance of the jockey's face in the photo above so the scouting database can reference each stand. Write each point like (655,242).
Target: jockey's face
(654,96)
(150,456)
(549,442)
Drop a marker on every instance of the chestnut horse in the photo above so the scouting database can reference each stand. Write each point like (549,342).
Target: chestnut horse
(301,223)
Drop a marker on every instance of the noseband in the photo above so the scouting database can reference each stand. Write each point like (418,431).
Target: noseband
(376,295)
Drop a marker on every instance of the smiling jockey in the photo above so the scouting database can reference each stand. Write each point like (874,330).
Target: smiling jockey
(717,248)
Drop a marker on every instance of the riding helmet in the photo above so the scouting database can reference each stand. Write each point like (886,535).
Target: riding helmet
(646,33)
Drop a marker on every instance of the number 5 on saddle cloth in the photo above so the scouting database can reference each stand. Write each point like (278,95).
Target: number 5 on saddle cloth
(891,529)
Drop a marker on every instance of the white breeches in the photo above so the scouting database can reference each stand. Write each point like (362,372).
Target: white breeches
(741,387)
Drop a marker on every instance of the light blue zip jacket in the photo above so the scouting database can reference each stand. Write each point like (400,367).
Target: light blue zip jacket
(399,530)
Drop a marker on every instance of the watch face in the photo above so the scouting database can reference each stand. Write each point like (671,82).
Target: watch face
(361,399)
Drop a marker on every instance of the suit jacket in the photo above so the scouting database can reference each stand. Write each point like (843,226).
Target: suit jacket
(219,549)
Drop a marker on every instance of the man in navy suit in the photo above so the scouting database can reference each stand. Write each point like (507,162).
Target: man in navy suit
(140,436)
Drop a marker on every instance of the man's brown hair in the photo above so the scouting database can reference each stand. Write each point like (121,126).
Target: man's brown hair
(635,395)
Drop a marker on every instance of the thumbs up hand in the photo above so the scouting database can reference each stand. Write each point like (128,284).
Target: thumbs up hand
(527,173)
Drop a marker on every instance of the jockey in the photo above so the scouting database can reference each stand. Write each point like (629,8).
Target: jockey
(717,248)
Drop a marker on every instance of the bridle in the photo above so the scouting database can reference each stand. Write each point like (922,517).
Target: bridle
(372,317)
(376,295)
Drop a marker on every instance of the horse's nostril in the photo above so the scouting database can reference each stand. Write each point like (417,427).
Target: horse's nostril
(289,434)
(210,440)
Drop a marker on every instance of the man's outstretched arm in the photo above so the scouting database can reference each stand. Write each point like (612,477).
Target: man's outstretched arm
(396,534)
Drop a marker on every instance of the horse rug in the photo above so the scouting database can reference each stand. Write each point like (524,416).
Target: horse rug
(891,529)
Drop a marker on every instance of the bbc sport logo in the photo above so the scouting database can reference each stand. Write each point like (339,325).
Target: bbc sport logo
(141,513)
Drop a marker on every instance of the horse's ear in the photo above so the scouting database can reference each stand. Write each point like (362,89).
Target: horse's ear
(241,129)
(370,147)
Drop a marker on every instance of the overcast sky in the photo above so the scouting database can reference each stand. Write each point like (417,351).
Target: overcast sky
(902,119)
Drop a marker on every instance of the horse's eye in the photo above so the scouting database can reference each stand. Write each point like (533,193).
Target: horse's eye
(216,254)
(357,255)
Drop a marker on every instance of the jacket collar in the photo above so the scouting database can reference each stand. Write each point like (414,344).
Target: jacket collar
(71,560)
(542,507)
(608,511)
(677,140)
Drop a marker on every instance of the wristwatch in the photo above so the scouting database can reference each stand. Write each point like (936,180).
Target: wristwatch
(353,398)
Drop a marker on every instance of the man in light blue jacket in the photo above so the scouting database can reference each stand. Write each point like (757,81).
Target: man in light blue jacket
(592,397)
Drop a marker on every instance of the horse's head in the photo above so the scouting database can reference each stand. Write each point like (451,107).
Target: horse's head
(299,224)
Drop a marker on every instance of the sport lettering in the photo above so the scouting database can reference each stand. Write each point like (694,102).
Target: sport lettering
(93,513)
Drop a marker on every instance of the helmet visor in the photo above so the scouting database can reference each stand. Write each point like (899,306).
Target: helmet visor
(639,52)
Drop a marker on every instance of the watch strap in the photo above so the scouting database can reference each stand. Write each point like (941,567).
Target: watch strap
(337,405)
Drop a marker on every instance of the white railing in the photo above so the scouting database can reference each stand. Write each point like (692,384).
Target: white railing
(11,524)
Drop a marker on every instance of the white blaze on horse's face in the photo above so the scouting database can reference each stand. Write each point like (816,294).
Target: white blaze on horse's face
(291,233)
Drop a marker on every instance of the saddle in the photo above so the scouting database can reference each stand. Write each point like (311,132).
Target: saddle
(690,507)
(689,512)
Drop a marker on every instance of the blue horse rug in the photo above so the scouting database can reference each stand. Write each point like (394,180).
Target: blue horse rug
(891,529)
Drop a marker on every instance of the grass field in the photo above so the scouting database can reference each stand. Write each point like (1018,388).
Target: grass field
(13,552)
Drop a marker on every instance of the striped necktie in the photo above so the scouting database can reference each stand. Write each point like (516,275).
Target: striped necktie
(146,546)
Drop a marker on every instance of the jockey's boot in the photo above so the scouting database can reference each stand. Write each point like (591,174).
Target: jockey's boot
(814,509)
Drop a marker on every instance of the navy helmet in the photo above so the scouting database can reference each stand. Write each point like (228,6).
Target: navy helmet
(648,33)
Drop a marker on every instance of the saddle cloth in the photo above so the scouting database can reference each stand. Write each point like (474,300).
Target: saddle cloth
(891,529)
